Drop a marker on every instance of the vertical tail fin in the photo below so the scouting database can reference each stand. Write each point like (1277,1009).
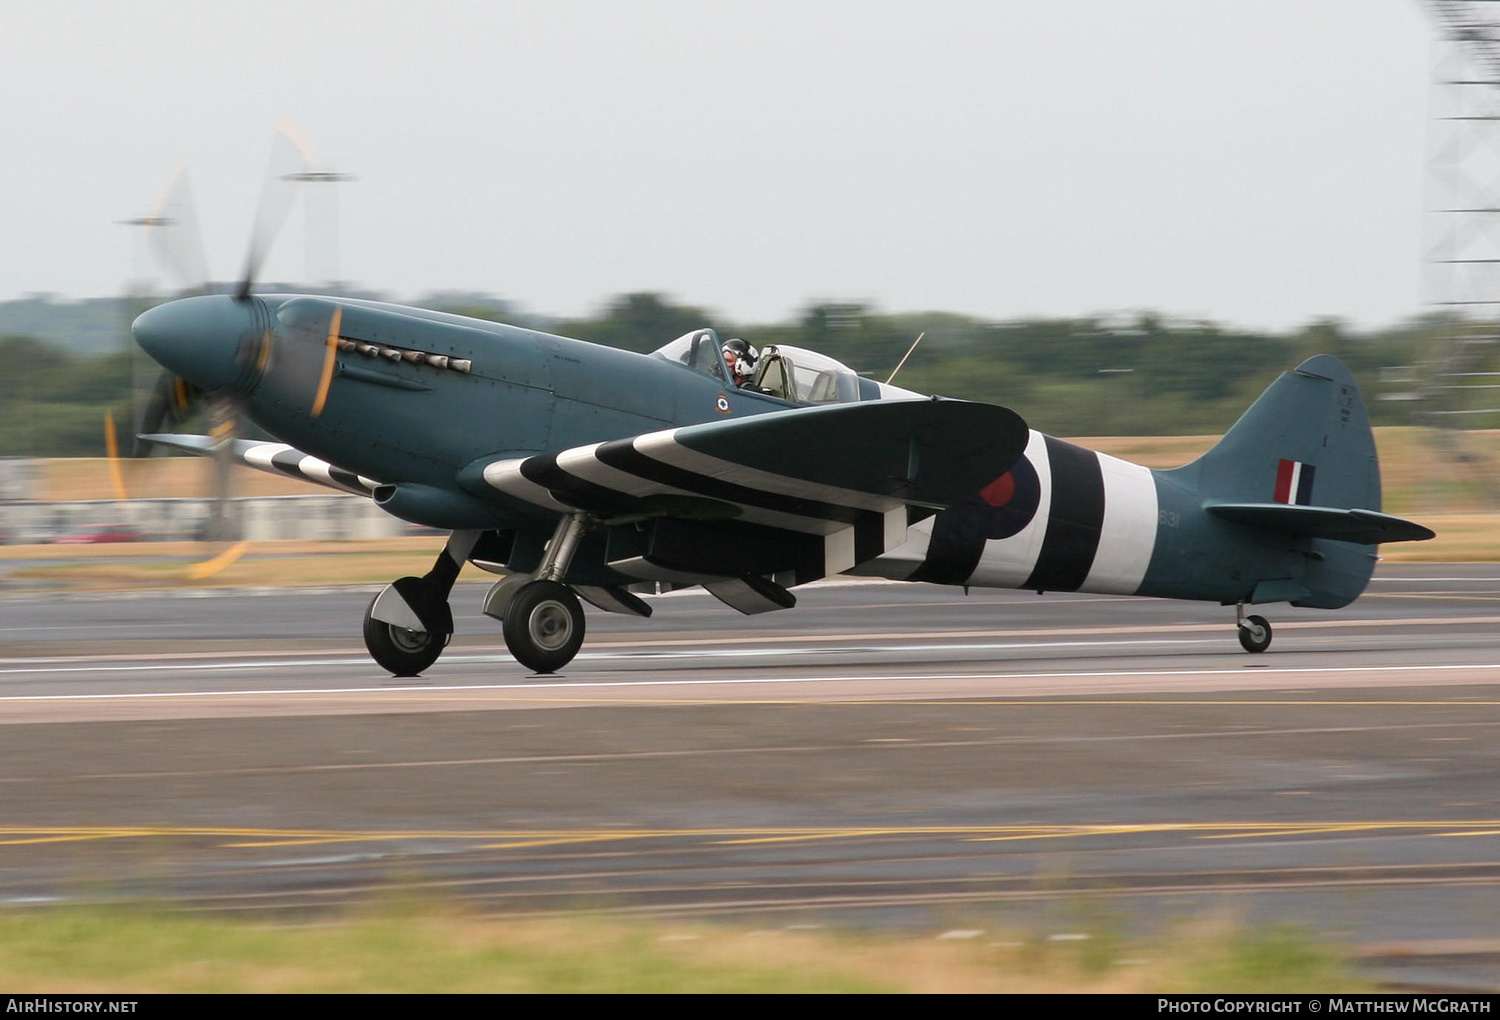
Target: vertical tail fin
(1288,469)
(1306,442)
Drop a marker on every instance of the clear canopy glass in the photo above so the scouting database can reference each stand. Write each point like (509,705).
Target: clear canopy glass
(794,374)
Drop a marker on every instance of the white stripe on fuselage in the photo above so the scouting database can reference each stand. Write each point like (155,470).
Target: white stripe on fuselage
(1126,541)
(1128,535)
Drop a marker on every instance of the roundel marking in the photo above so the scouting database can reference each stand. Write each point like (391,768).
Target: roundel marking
(1010,501)
(1001,509)
(1000,491)
(722,404)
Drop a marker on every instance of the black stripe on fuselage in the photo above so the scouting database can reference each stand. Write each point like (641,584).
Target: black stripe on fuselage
(1073,520)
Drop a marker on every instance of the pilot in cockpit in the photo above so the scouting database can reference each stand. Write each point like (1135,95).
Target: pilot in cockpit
(740,357)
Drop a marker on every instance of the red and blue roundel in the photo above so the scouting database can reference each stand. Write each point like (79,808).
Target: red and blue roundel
(1008,504)
(1000,510)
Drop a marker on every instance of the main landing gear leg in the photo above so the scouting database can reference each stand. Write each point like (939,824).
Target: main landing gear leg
(541,617)
(409,623)
(1255,631)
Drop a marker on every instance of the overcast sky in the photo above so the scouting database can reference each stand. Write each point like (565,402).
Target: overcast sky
(1256,163)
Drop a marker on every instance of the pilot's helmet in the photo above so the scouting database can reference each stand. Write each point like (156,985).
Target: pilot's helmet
(740,357)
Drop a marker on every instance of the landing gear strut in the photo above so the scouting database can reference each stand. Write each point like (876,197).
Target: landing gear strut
(541,617)
(409,623)
(1255,631)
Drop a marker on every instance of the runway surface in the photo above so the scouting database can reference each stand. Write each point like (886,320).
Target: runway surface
(885,755)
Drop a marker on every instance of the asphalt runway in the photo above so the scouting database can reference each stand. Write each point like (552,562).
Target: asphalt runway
(884,755)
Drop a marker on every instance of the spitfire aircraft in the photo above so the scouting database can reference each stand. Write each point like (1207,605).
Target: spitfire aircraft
(581,472)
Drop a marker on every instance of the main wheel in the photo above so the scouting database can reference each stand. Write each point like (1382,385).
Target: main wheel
(403,652)
(543,626)
(1255,634)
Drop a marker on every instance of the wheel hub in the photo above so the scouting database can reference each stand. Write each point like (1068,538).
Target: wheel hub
(550,626)
(409,640)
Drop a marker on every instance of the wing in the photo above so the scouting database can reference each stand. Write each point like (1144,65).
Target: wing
(276,458)
(849,474)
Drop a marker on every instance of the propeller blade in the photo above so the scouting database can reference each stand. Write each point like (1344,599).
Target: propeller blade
(330,355)
(176,237)
(224,419)
(112,451)
(172,400)
(158,408)
(290,155)
(216,564)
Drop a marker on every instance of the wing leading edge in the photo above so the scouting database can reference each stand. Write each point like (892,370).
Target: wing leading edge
(275,458)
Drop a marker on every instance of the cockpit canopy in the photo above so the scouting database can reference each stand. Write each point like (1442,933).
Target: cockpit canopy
(789,373)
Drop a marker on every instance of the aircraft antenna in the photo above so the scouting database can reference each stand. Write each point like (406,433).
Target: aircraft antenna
(905,356)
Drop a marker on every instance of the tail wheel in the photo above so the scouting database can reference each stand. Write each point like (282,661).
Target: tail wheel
(1255,634)
(544,626)
(400,651)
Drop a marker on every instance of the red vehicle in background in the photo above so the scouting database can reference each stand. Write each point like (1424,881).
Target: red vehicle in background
(97,533)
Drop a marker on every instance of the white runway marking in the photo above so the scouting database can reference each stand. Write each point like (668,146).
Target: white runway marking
(1407,580)
(577,685)
(363,661)
(737,653)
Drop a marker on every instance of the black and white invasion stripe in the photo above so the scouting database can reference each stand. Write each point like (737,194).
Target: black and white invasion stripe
(620,476)
(278,457)
(1094,530)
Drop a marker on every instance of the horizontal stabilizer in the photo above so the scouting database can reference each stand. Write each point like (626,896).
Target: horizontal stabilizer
(1365,527)
(274,458)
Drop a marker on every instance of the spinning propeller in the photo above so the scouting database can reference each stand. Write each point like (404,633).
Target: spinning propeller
(176,396)
(215,348)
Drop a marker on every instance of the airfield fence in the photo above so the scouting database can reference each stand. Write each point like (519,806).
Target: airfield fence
(256,518)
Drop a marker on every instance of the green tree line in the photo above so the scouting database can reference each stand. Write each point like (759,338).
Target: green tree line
(1137,375)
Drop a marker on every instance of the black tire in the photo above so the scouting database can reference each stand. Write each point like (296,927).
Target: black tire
(543,626)
(400,651)
(1255,634)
